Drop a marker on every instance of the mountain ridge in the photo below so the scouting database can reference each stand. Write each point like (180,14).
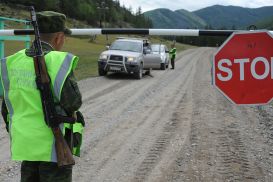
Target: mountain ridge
(216,16)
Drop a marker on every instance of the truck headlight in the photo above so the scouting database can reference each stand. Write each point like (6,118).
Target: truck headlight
(103,56)
(131,59)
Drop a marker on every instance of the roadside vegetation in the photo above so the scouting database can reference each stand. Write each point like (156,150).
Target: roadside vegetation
(97,13)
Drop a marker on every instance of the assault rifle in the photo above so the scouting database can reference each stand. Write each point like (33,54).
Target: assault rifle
(52,119)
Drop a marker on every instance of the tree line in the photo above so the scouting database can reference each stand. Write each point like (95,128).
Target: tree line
(207,41)
(103,13)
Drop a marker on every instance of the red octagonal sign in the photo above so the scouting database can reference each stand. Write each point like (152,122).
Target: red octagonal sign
(243,68)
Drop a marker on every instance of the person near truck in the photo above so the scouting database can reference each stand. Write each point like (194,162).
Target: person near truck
(173,55)
(32,141)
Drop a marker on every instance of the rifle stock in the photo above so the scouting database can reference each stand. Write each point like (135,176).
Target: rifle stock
(63,152)
(52,119)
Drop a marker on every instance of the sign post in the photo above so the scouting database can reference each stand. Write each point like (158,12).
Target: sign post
(243,68)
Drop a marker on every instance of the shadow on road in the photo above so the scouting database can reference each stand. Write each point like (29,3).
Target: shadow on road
(124,76)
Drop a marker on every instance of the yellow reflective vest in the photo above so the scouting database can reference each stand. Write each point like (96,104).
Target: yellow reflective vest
(31,139)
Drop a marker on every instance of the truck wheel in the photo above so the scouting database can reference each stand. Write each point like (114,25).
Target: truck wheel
(102,72)
(162,66)
(138,74)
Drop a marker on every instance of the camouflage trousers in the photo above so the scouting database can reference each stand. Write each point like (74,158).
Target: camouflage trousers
(44,172)
(172,62)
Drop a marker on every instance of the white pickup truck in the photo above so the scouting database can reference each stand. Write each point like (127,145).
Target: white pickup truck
(125,55)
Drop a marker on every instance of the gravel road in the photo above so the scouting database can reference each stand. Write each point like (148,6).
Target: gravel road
(171,126)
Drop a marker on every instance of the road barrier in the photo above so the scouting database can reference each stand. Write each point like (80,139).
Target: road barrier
(106,31)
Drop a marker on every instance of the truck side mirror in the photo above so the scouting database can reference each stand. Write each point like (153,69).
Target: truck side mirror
(107,47)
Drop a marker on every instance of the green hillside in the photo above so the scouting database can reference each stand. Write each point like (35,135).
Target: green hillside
(265,24)
(193,20)
(165,18)
(233,16)
(161,18)
(215,17)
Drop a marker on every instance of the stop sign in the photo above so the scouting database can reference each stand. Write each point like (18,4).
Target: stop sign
(243,68)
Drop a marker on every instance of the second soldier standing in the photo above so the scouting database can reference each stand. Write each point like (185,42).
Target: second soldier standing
(173,55)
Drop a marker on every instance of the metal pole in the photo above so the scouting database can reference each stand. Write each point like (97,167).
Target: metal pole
(27,43)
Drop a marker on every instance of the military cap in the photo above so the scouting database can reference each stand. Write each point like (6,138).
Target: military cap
(51,22)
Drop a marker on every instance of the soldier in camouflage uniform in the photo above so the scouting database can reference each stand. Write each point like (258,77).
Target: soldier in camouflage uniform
(53,30)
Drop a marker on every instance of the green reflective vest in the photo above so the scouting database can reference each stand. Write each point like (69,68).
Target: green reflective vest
(173,53)
(31,138)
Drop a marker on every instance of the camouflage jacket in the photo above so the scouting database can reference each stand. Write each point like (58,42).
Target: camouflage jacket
(71,98)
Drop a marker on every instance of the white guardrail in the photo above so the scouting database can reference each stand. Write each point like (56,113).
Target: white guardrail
(107,31)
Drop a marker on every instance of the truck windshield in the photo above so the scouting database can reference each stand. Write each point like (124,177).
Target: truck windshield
(155,48)
(126,46)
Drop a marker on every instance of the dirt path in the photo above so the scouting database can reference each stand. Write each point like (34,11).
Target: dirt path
(173,126)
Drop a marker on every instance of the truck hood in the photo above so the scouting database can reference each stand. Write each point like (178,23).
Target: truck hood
(122,53)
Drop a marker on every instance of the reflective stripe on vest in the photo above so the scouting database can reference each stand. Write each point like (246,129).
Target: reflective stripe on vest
(5,83)
(61,75)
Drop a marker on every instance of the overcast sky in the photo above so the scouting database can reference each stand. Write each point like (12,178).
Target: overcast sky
(191,5)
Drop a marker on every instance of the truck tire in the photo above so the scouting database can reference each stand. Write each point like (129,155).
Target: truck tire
(139,73)
(102,72)
(162,66)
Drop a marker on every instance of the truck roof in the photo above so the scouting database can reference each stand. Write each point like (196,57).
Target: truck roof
(132,39)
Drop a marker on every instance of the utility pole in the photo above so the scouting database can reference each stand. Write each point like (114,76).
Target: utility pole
(102,9)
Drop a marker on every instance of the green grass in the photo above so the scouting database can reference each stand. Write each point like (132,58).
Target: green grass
(87,51)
